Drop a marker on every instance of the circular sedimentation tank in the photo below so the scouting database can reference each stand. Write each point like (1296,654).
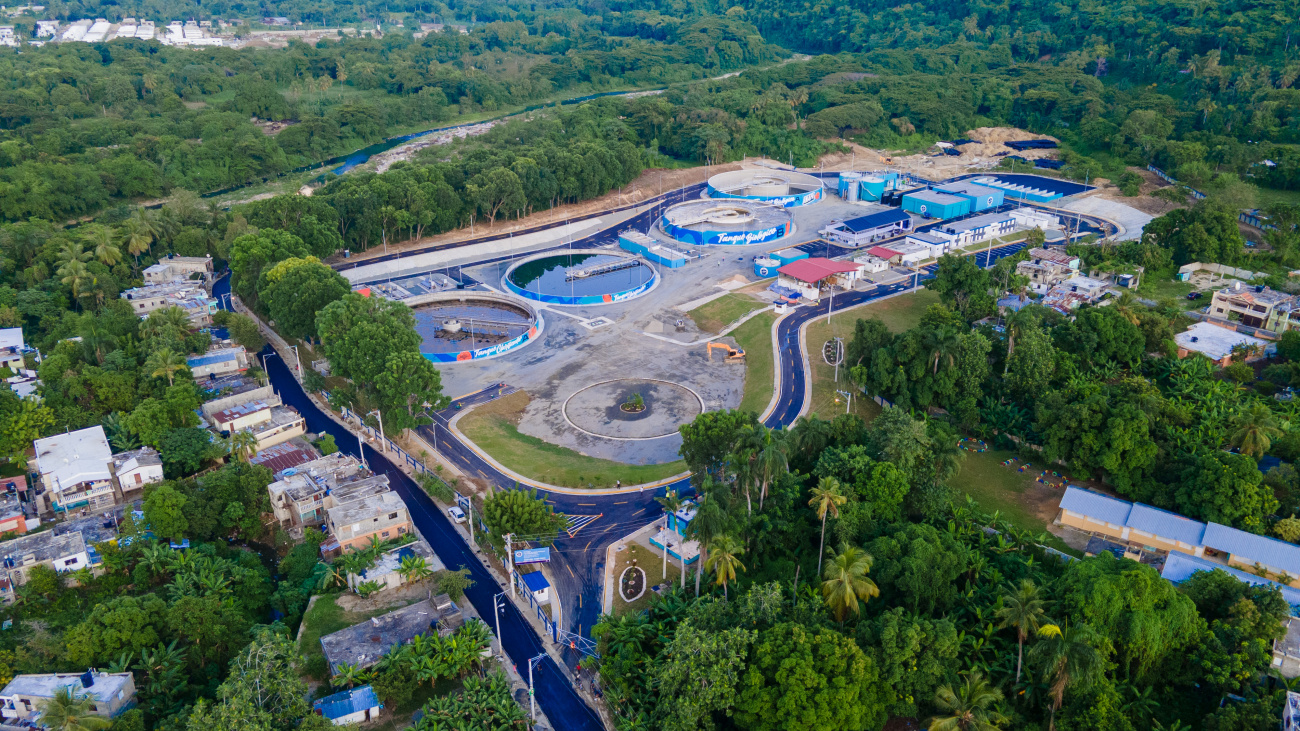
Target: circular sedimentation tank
(726,222)
(783,188)
(581,278)
(462,326)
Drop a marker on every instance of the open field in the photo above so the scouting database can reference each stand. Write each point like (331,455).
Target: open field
(1016,496)
(494,428)
(721,312)
(755,338)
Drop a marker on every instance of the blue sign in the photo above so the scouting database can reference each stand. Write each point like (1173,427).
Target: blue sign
(532,555)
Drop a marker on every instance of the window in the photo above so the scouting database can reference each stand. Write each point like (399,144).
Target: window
(392,516)
(71,562)
(385,534)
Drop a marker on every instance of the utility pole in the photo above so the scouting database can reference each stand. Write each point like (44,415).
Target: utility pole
(383,440)
(472,542)
(510,557)
(361,449)
(532,704)
(498,606)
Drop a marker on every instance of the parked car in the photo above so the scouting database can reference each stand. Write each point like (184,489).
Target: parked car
(1195,296)
(456,514)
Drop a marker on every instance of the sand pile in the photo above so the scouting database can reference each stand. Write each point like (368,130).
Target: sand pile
(989,143)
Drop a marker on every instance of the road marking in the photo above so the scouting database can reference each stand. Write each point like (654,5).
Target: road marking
(578,522)
(584,548)
(622,503)
(586,505)
(579,601)
(570,568)
(642,510)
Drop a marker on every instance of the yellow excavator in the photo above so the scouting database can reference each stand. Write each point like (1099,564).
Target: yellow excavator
(730,354)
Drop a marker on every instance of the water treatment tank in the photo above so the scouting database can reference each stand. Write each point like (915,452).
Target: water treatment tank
(871,188)
(764,268)
(843,188)
(851,195)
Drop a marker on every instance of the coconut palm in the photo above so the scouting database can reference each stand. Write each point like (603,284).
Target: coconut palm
(966,708)
(66,711)
(138,237)
(770,459)
(1255,429)
(1022,609)
(710,520)
(826,498)
(73,251)
(1068,658)
(76,276)
(724,559)
(944,344)
(414,568)
(165,320)
(102,241)
(165,363)
(243,444)
(845,581)
(671,503)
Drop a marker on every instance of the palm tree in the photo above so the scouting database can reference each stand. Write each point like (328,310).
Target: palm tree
(95,337)
(845,581)
(1255,429)
(348,675)
(166,363)
(74,274)
(103,242)
(826,498)
(72,251)
(943,344)
(414,568)
(138,236)
(1068,658)
(770,459)
(724,559)
(68,712)
(243,444)
(671,503)
(1022,609)
(710,520)
(966,708)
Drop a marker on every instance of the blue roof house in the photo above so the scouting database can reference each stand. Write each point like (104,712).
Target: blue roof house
(356,705)
(538,585)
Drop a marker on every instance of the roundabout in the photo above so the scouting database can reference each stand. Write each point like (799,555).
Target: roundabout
(632,409)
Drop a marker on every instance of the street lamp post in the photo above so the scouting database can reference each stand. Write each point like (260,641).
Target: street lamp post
(499,606)
(532,703)
(383,440)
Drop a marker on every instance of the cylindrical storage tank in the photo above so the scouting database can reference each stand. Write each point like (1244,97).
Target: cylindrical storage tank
(871,189)
(844,182)
(852,193)
(764,268)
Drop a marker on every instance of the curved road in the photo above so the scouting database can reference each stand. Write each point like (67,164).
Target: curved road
(603,517)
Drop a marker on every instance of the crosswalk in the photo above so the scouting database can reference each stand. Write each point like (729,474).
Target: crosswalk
(578,522)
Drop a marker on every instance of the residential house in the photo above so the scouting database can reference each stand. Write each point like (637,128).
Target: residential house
(1217,343)
(354,522)
(13,522)
(361,645)
(46,28)
(133,470)
(110,695)
(75,471)
(61,552)
(174,268)
(1257,306)
(1073,292)
(189,296)
(355,705)
(1047,268)
(270,424)
(1126,277)
(298,497)
(12,348)
(386,570)
(220,362)
(25,384)
(283,456)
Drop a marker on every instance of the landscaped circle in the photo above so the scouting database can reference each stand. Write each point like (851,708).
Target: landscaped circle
(599,410)
(631,584)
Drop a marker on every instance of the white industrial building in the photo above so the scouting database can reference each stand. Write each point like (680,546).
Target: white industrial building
(979,228)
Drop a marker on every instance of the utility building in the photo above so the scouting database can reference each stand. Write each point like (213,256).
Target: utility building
(933,204)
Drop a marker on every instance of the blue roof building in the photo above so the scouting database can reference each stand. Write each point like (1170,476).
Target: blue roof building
(538,585)
(1180,567)
(981,197)
(869,228)
(351,706)
(933,204)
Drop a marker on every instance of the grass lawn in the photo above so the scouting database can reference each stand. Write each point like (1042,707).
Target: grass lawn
(1162,288)
(395,719)
(494,428)
(721,312)
(1016,496)
(755,338)
(652,562)
(326,617)
(1267,196)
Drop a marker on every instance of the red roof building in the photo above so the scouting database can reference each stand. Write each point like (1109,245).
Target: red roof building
(814,270)
(883,252)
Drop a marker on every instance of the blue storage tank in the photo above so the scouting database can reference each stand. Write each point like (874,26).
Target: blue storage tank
(871,188)
(765,267)
(845,179)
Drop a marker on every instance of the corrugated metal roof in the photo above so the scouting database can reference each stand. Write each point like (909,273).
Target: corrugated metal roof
(536,581)
(1179,567)
(1166,524)
(1095,505)
(346,703)
(876,220)
(1252,548)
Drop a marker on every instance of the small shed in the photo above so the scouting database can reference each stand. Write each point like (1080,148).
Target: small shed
(538,585)
(356,705)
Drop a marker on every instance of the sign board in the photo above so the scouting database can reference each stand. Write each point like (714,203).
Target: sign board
(532,555)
